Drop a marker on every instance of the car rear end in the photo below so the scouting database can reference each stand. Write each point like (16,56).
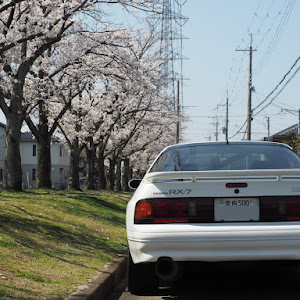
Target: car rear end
(214,215)
(238,217)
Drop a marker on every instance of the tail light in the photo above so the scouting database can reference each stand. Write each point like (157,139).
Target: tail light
(161,209)
(143,209)
(293,209)
(174,210)
(281,208)
(201,210)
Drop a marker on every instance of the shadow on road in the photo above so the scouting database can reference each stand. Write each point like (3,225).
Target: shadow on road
(253,280)
(229,281)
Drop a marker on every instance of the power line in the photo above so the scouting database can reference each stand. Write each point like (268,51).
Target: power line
(280,28)
(277,86)
(279,91)
(233,93)
(279,23)
(284,77)
(239,131)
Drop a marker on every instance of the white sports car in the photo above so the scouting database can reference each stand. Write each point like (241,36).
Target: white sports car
(213,201)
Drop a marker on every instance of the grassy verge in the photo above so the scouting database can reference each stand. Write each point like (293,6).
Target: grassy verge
(52,241)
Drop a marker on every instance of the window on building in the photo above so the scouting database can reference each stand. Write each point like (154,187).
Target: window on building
(33,174)
(33,150)
(61,174)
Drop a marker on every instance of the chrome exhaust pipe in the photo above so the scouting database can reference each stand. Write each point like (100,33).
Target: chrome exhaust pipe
(166,269)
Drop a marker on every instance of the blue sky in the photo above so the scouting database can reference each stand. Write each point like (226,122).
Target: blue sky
(215,30)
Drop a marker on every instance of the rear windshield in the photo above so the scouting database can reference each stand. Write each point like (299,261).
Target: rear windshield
(226,157)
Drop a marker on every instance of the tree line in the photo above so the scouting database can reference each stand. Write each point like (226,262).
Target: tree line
(68,70)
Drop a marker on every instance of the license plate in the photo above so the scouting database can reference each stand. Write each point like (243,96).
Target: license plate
(236,209)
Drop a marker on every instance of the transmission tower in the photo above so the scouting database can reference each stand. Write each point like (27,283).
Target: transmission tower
(171,51)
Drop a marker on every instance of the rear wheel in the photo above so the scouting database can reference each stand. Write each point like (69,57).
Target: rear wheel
(141,277)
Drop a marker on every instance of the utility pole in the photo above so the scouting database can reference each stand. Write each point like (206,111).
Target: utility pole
(298,122)
(250,88)
(249,116)
(268,126)
(217,129)
(216,123)
(224,129)
(226,121)
(178,115)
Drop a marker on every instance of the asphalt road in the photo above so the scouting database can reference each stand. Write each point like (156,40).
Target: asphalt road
(228,281)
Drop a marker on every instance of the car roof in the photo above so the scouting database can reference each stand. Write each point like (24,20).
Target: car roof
(267,143)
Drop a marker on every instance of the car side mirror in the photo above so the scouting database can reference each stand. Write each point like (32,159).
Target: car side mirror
(134,183)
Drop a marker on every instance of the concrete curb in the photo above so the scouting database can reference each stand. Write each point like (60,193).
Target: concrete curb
(101,285)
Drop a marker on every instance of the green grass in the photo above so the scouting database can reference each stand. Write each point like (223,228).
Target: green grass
(53,241)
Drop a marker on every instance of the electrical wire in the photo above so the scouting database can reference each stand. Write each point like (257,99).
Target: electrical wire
(239,131)
(277,86)
(294,74)
(279,20)
(279,92)
(272,46)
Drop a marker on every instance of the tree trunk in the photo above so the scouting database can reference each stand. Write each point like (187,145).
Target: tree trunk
(126,175)
(44,153)
(43,137)
(102,184)
(12,177)
(118,175)
(112,164)
(44,164)
(90,172)
(74,182)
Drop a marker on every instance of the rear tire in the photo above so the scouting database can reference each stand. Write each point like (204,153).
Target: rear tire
(141,277)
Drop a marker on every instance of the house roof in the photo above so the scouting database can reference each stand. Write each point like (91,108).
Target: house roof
(293,128)
(29,137)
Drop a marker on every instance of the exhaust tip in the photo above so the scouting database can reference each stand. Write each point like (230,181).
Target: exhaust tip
(166,269)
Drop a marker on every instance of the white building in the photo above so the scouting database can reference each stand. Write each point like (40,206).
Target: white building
(60,160)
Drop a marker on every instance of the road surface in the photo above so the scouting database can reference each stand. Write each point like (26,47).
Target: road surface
(228,281)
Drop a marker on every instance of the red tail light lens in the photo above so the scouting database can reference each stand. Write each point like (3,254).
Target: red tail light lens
(180,208)
(161,209)
(283,208)
(143,210)
(201,210)
(293,209)
(174,210)
(293,206)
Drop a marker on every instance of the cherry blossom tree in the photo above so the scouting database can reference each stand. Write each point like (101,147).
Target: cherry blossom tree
(56,80)
(30,28)
(123,88)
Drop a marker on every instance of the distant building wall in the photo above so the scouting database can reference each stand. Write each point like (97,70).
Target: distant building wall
(60,161)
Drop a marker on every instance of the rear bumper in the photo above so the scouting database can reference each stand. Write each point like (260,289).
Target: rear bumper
(215,242)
